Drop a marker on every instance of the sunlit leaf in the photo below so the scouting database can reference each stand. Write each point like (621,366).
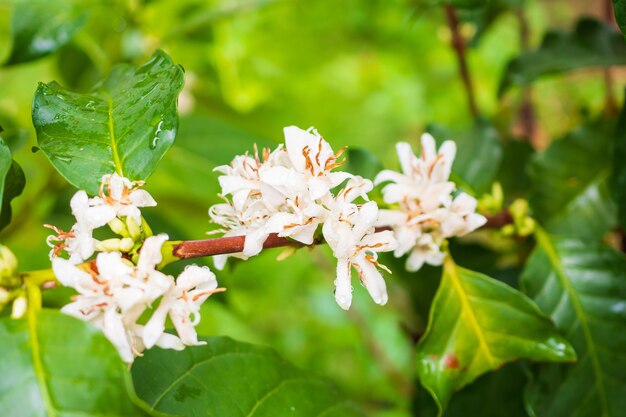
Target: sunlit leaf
(12,182)
(582,287)
(227,378)
(591,44)
(56,365)
(41,27)
(125,125)
(570,195)
(476,325)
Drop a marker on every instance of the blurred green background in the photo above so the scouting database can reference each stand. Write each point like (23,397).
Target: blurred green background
(366,73)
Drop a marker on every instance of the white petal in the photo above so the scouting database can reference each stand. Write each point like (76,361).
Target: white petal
(254,241)
(115,331)
(343,287)
(68,274)
(295,141)
(406,157)
(141,198)
(318,187)
(169,341)
(373,281)
(155,327)
(194,276)
(150,253)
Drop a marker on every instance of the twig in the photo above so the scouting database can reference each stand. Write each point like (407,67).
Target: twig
(610,102)
(458,44)
(234,244)
(527,118)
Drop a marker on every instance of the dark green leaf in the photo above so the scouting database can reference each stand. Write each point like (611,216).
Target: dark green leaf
(619,9)
(478,155)
(362,162)
(570,195)
(513,175)
(226,378)
(476,325)
(56,365)
(582,286)
(41,27)
(125,125)
(592,44)
(12,182)
(618,179)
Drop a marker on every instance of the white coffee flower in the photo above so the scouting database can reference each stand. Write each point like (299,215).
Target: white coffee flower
(351,237)
(290,193)
(123,195)
(79,242)
(182,303)
(115,293)
(426,212)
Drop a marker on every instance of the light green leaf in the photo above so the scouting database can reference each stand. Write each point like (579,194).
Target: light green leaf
(570,196)
(476,325)
(591,44)
(58,366)
(125,125)
(226,378)
(41,27)
(12,182)
(582,286)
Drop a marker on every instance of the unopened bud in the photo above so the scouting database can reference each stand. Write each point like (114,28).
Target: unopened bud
(118,227)
(8,268)
(126,244)
(133,228)
(109,245)
(147,231)
(4,297)
(19,307)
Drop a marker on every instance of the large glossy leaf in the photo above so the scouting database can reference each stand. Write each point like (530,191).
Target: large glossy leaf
(226,378)
(570,194)
(125,125)
(57,366)
(478,156)
(12,182)
(41,27)
(582,286)
(591,44)
(618,179)
(476,325)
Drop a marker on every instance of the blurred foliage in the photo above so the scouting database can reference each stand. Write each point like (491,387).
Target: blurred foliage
(366,73)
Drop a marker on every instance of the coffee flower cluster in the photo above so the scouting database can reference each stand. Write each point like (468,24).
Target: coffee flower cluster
(122,283)
(425,213)
(289,191)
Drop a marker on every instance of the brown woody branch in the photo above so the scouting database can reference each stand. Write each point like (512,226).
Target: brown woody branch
(234,244)
(458,44)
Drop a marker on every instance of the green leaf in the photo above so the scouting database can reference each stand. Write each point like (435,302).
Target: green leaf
(619,9)
(478,155)
(125,125)
(362,162)
(41,27)
(227,378)
(476,325)
(570,194)
(12,182)
(58,366)
(582,286)
(618,178)
(592,44)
